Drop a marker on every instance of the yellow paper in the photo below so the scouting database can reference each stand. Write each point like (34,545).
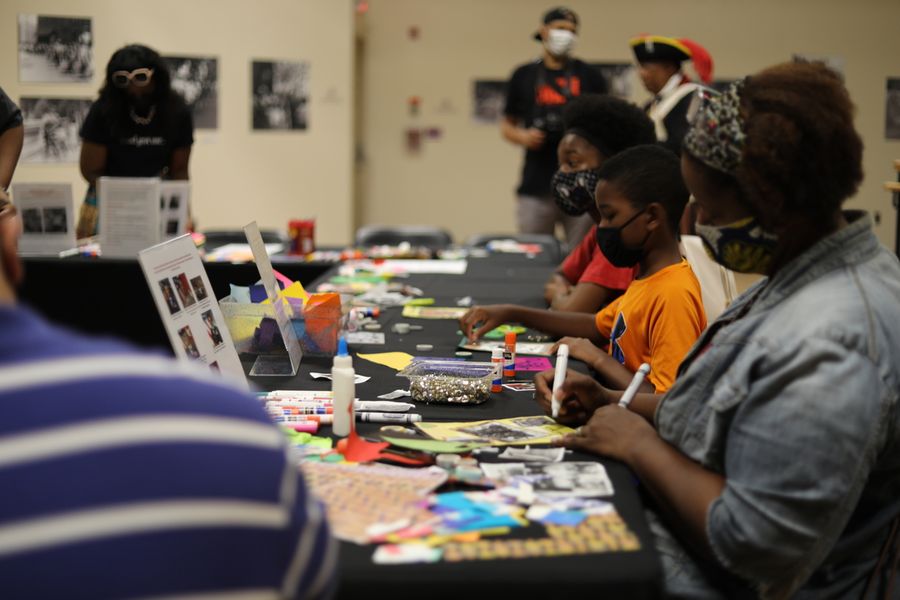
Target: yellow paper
(295,290)
(501,432)
(394,360)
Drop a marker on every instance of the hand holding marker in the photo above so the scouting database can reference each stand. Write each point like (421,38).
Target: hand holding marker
(562,363)
(632,388)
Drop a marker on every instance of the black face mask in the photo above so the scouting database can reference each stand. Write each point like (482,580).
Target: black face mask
(609,239)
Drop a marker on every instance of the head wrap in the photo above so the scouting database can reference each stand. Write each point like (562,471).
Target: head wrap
(716,137)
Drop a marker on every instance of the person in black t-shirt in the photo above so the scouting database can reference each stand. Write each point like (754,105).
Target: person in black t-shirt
(532,119)
(139,127)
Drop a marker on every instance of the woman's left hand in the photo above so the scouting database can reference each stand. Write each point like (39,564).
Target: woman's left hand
(612,431)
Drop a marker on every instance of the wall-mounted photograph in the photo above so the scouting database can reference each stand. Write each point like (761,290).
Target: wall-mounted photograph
(489,100)
(51,129)
(55,49)
(196,78)
(280,95)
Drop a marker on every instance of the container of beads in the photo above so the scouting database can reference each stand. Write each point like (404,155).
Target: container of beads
(449,381)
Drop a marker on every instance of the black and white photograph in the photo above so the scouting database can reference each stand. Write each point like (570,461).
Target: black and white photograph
(51,129)
(892,109)
(619,78)
(555,480)
(32,221)
(489,100)
(55,220)
(280,95)
(196,78)
(497,432)
(55,49)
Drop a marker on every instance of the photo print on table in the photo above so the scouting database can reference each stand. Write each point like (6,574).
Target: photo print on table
(55,220)
(187,340)
(55,49)
(169,294)
(280,95)
(32,221)
(619,78)
(489,100)
(199,288)
(185,294)
(211,328)
(196,78)
(51,129)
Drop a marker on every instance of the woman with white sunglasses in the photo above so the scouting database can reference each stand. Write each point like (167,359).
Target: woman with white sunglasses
(138,127)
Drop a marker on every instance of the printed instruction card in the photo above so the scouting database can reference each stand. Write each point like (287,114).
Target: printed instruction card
(189,310)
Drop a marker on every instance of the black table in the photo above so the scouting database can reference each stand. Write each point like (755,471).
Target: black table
(109,296)
(610,575)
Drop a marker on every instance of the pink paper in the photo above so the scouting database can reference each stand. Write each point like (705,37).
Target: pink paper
(533,363)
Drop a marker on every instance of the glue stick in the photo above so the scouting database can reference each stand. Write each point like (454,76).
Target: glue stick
(497,359)
(343,391)
(509,355)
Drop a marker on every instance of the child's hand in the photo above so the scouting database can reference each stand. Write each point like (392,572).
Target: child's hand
(581,395)
(557,286)
(488,317)
(581,349)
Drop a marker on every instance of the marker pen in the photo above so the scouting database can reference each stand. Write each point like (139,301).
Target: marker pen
(562,362)
(382,406)
(297,405)
(320,419)
(633,386)
(374,417)
(298,412)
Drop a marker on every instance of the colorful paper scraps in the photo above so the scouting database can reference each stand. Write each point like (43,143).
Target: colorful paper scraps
(403,554)
(356,497)
(394,360)
(554,480)
(499,333)
(433,312)
(307,443)
(356,449)
(502,432)
(595,534)
(532,363)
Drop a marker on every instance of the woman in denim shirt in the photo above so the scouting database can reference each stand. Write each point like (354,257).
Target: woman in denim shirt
(774,460)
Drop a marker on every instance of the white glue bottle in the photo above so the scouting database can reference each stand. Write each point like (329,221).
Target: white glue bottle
(343,391)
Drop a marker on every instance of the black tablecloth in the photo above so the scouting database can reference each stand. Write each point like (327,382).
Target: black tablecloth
(109,296)
(610,575)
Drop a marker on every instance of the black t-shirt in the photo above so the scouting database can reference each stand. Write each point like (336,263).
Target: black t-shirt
(10,115)
(536,96)
(139,150)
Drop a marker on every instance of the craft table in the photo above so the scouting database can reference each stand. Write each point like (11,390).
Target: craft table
(630,575)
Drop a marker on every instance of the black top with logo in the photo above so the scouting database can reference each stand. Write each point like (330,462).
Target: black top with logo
(536,96)
(140,150)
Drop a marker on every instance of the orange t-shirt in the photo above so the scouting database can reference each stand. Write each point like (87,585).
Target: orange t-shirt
(656,321)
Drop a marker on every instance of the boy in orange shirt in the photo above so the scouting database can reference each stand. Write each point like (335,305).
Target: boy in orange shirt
(640,197)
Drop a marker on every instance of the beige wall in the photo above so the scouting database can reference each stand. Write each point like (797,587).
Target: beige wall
(465,181)
(237,175)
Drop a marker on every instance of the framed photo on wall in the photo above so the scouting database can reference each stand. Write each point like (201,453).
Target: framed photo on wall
(55,49)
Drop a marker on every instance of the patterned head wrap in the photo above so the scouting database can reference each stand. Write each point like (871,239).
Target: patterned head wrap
(716,137)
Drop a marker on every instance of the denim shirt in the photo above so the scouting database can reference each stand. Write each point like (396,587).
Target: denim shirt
(795,404)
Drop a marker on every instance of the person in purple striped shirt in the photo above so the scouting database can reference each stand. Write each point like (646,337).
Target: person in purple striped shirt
(126,474)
